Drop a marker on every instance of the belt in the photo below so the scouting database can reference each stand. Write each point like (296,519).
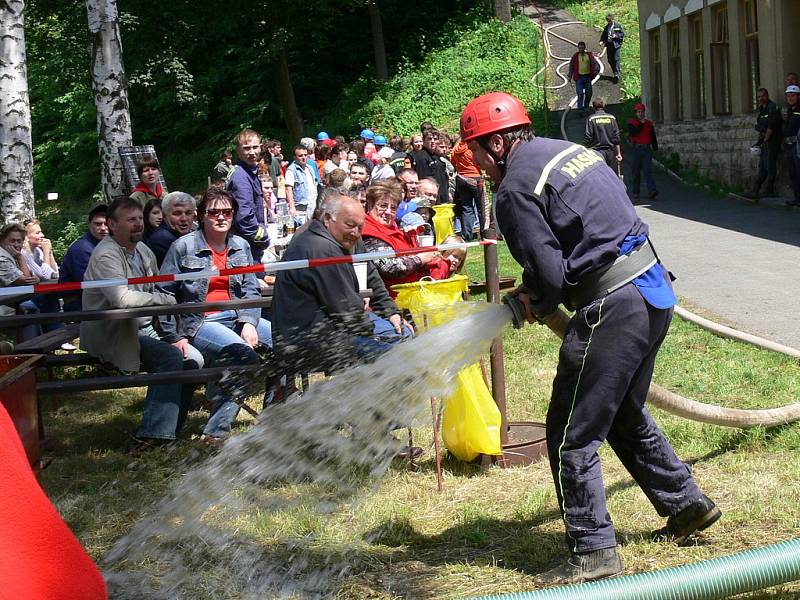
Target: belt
(642,145)
(602,282)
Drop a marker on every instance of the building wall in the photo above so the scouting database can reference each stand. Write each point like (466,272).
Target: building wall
(717,145)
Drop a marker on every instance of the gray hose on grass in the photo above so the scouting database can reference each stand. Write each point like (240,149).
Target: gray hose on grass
(729,332)
(706,580)
(698,411)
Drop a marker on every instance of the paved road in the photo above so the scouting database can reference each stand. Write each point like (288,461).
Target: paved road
(738,261)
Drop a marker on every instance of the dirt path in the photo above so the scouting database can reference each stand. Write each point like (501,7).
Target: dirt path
(562,34)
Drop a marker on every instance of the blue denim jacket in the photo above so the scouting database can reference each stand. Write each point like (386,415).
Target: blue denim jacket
(191,253)
(301,183)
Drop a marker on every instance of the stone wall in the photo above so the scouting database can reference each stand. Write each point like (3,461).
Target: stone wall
(718,147)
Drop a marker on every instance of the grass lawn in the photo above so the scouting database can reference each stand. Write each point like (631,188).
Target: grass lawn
(489,531)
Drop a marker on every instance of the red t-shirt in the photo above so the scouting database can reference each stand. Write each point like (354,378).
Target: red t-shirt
(218,288)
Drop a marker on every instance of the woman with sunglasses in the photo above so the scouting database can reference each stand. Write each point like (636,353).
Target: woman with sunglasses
(223,337)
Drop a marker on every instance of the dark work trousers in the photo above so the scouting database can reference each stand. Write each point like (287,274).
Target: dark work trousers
(468,201)
(604,371)
(583,89)
(793,168)
(642,161)
(767,169)
(612,53)
(610,156)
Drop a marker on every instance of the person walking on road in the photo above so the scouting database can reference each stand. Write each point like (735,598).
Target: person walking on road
(602,134)
(583,68)
(612,37)
(568,221)
(642,136)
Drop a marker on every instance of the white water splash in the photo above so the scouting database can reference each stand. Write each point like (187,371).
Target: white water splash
(333,442)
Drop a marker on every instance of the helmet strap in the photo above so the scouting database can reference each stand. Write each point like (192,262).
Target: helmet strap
(499,161)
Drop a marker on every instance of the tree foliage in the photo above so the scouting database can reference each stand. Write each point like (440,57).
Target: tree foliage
(200,70)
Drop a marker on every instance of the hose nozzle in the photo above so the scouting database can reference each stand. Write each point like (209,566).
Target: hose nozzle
(518,316)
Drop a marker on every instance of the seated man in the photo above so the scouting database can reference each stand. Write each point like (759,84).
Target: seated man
(319,321)
(179,210)
(77,257)
(131,342)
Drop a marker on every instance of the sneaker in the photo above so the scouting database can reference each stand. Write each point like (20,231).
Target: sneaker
(69,347)
(700,514)
(583,567)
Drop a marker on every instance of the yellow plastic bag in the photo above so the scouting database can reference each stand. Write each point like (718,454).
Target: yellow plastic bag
(431,301)
(471,419)
(443,221)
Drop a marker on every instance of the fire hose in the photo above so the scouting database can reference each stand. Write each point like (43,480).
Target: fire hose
(677,404)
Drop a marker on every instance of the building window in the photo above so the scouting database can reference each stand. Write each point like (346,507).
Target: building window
(675,79)
(750,22)
(655,75)
(698,69)
(720,61)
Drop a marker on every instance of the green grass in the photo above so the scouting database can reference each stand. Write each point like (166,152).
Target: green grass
(489,531)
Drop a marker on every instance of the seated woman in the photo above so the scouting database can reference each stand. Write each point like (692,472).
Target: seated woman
(153,217)
(14,270)
(382,233)
(37,252)
(224,337)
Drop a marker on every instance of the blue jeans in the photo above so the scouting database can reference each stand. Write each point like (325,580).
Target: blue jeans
(583,87)
(166,404)
(642,161)
(468,203)
(383,337)
(219,342)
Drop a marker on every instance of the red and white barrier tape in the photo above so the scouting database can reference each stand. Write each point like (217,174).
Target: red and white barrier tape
(312,263)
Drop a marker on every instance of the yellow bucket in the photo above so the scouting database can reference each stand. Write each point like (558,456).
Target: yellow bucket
(443,221)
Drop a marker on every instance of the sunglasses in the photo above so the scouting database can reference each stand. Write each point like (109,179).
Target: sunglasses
(216,212)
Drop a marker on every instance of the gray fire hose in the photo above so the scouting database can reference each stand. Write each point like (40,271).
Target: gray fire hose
(676,404)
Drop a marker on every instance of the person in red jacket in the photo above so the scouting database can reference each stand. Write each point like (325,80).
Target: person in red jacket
(382,233)
(583,68)
(40,558)
(642,136)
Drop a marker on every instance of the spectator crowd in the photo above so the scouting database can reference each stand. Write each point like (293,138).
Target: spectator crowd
(328,198)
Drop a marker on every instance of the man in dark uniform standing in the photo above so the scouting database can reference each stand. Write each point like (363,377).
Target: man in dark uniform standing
(602,134)
(568,222)
(768,126)
(791,127)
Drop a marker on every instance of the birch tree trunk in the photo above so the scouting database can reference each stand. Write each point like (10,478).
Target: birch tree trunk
(110,88)
(16,155)
(378,45)
(502,10)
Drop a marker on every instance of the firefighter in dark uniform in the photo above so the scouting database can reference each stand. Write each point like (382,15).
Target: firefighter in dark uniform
(602,134)
(768,126)
(568,222)
(791,127)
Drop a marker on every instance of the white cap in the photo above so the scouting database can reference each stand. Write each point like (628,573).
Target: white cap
(793,89)
(386,152)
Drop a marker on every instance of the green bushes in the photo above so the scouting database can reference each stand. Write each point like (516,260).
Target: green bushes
(491,56)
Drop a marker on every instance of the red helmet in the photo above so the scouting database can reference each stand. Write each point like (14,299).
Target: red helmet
(494,112)
(639,106)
